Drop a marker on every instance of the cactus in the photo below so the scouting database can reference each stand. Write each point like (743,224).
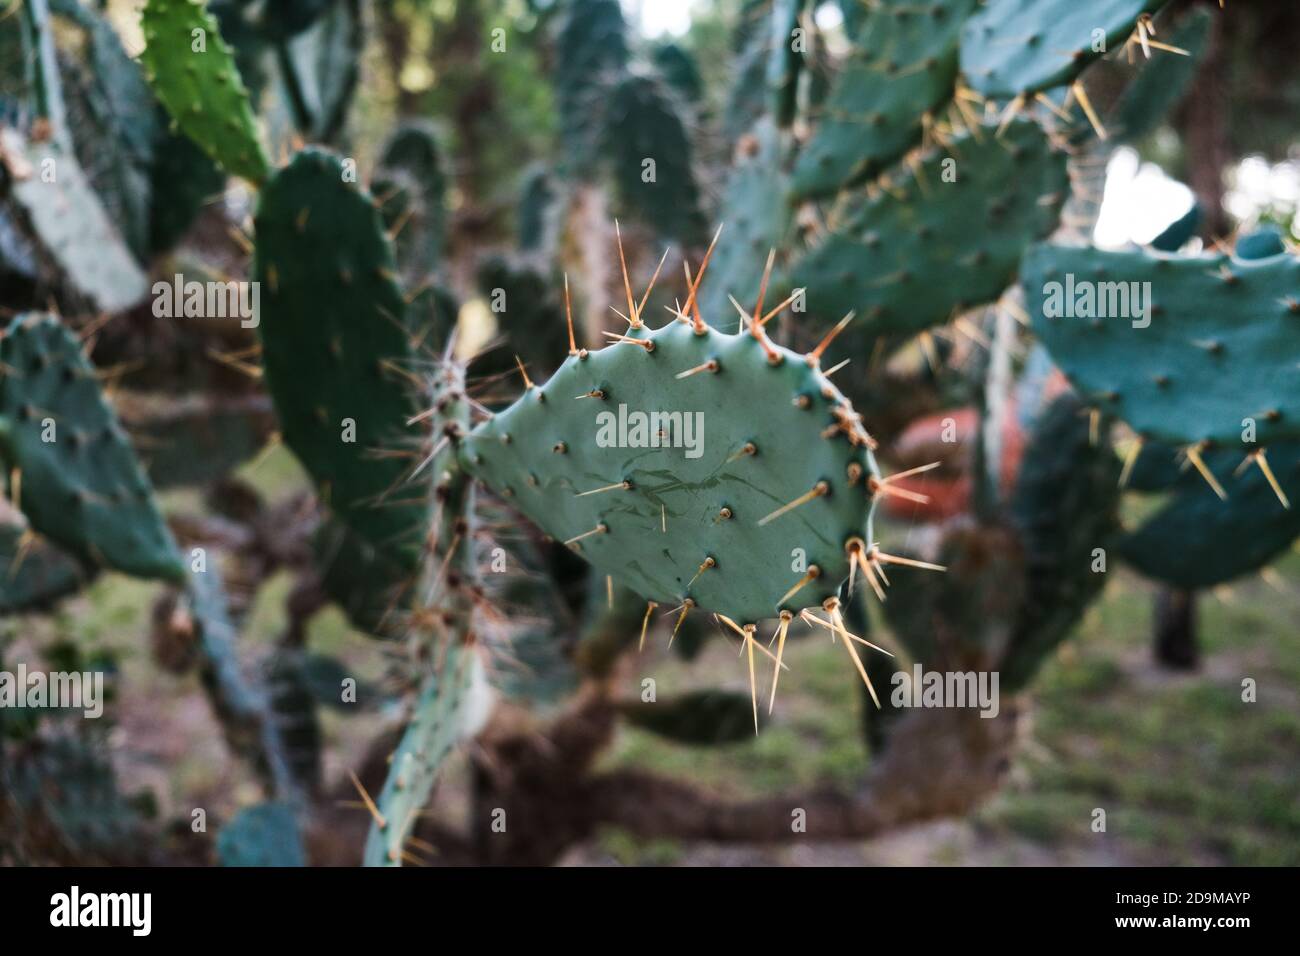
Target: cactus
(901,72)
(320,69)
(35,574)
(706,528)
(591,58)
(447,593)
(411,185)
(755,219)
(643,124)
(1198,541)
(1020,47)
(1218,348)
(785,61)
(331,300)
(201,88)
(1065,506)
(71,223)
(194,439)
(912,256)
(81,485)
(265,834)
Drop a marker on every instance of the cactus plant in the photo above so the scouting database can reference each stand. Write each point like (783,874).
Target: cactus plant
(193,72)
(1173,362)
(941,239)
(1020,47)
(81,485)
(901,72)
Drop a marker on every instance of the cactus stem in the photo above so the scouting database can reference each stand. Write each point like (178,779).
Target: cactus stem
(1193,453)
(645,623)
(782,628)
(625,485)
(818,490)
(1259,458)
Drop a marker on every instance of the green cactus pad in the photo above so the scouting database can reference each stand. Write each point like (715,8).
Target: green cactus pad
(411,184)
(202,90)
(755,218)
(784,61)
(334,346)
(908,257)
(1197,541)
(1220,348)
(1065,506)
(546,450)
(35,574)
(903,65)
(265,834)
(1023,46)
(84,489)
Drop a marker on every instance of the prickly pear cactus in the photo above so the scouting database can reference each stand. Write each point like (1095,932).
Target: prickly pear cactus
(591,57)
(1014,47)
(903,67)
(1184,348)
(35,574)
(447,594)
(337,357)
(761,459)
(643,125)
(1197,540)
(755,217)
(193,73)
(81,484)
(931,245)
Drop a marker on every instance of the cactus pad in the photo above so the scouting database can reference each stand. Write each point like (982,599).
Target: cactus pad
(1197,541)
(1023,46)
(201,89)
(908,257)
(1220,347)
(82,486)
(771,434)
(333,344)
(903,65)
(755,215)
